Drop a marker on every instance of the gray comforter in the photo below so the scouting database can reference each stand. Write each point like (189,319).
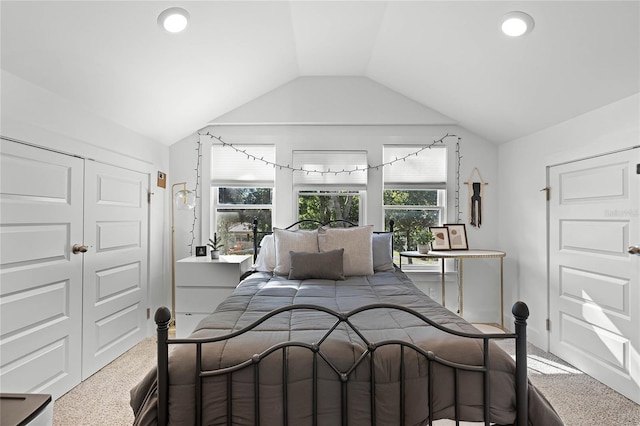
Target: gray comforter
(261,293)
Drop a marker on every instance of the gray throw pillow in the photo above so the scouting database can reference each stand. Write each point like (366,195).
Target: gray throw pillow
(382,255)
(327,265)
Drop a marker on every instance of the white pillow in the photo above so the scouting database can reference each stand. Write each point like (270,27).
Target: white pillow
(356,242)
(266,260)
(287,241)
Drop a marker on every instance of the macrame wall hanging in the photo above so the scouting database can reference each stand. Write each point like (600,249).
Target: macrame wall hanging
(476,197)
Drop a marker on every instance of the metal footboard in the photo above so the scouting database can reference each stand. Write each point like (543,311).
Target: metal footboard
(520,312)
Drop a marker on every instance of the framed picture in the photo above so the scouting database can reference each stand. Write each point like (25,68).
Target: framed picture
(441,235)
(457,236)
(201,250)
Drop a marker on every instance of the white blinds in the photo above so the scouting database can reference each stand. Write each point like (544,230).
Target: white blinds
(232,168)
(330,162)
(428,168)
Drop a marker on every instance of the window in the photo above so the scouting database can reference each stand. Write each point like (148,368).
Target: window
(414,195)
(242,189)
(330,185)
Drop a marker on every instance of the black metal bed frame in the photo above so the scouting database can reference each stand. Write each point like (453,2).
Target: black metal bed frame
(519,310)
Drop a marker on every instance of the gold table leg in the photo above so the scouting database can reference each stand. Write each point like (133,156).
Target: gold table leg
(460,284)
(442,278)
(502,292)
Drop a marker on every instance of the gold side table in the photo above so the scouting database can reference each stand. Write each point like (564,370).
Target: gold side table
(460,255)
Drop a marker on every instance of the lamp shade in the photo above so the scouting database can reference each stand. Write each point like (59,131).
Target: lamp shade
(185,199)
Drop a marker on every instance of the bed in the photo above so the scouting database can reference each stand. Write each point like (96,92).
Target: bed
(329,332)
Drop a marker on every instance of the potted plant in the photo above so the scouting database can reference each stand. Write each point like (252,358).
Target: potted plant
(215,246)
(423,239)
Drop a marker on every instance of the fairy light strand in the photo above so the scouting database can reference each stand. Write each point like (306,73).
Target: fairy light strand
(336,172)
(324,172)
(458,163)
(196,194)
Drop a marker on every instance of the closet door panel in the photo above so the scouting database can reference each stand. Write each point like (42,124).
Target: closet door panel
(115,270)
(41,218)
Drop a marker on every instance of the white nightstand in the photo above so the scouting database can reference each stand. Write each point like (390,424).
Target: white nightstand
(201,284)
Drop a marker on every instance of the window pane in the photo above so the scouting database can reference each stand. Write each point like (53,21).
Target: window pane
(244,195)
(410,197)
(325,205)
(235,228)
(407,222)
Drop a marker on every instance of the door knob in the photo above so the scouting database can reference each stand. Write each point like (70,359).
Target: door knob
(634,249)
(77,248)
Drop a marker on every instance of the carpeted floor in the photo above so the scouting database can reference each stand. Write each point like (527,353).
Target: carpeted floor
(578,398)
(103,399)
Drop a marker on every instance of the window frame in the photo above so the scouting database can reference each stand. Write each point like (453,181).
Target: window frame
(416,183)
(441,208)
(216,205)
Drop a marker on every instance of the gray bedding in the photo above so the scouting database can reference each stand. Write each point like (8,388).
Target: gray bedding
(261,293)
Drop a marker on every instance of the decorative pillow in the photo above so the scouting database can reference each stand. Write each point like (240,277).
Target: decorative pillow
(356,242)
(286,241)
(326,265)
(266,260)
(382,254)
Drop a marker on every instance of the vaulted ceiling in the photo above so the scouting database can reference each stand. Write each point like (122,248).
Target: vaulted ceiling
(111,57)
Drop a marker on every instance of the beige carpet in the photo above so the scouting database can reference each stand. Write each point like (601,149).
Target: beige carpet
(103,399)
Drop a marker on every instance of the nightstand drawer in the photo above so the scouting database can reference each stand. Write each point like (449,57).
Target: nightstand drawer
(202,284)
(185,323)
(200,299)
(204,272)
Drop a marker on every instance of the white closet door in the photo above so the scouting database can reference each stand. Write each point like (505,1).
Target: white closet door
(41,202)
(115,267)
(594,280)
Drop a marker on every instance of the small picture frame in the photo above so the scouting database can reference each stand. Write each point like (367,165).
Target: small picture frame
(457,236)
(441,235)
(201,250)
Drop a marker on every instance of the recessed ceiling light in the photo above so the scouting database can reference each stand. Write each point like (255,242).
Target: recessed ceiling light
(516,24)
(174,19)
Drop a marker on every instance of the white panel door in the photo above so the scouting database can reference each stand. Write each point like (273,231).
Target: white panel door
(594,280)
(41,202)
(115,268)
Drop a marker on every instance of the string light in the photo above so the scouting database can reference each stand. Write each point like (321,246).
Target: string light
(195,192)
(459,158)
(328,171)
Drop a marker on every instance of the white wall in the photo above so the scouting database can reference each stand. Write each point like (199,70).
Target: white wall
(39,117)
(523,209)
(482,276)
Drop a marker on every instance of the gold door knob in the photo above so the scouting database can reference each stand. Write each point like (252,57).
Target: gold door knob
(77,248)
(634,249)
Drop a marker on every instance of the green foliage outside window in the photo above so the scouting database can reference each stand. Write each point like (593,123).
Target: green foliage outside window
(329,205)
(245,195)
(413,212)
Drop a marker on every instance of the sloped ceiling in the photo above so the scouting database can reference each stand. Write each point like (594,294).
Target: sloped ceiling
(111,57)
